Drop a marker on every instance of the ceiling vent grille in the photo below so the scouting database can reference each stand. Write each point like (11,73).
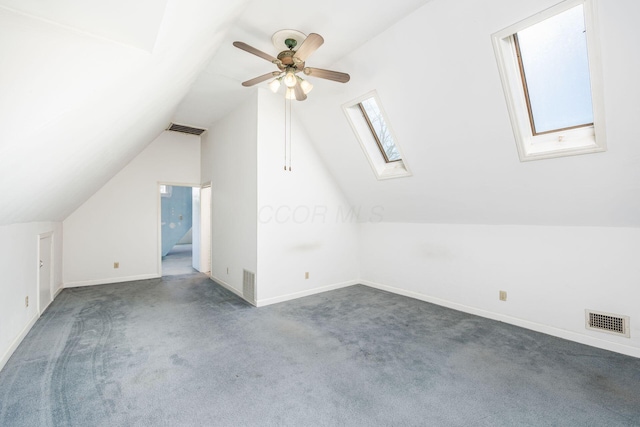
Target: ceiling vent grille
(186,129)
(607,322)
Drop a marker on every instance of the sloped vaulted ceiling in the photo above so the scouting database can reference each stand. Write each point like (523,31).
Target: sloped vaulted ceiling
(436,75)
(83,92)
(345,25)
(127,22)
(86,85)
(82,97)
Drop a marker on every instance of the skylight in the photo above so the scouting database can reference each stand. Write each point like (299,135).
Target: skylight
(373,129)
(555,65)
(380,130)
(550,70)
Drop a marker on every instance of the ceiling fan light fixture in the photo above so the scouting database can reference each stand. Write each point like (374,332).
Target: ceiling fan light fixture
(274,85)
(306,86)
(290,79)
(290,62)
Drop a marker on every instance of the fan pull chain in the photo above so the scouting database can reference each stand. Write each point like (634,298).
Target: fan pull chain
(290,119)
(287,132)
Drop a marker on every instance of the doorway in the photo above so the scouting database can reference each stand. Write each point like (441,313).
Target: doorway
(185,229)
(176,229)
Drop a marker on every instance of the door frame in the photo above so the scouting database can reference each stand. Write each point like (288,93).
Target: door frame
(209,237)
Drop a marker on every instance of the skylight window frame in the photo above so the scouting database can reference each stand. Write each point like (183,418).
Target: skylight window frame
(574,140)
(371,146)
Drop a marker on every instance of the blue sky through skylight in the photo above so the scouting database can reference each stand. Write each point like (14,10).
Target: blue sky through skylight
(381,129)
(556,66)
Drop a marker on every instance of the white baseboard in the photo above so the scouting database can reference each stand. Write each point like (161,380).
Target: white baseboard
(227,286)
(111,280)
(57,292)
(295,295)
(545,329)
(16,342)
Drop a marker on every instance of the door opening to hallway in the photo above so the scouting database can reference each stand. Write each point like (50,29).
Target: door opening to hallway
(185,229)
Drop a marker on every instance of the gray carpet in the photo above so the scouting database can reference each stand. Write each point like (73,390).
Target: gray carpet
(178,261)
(183,351)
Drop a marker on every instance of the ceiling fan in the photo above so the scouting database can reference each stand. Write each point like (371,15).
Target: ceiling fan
(290,62)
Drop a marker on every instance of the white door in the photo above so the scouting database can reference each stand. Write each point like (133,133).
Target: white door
(195,229)
(205,230)
(45,292)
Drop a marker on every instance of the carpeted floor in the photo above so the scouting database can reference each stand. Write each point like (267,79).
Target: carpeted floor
(182,351)
(178,261)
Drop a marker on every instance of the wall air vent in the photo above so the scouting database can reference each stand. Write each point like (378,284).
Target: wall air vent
(249,286)
(607,322)
(186,129)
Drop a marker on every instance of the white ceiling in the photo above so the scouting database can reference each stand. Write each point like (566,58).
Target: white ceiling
(90,84)
(449,115)
(344,25)
(134,23)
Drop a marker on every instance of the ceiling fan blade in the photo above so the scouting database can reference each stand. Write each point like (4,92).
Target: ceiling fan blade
(260,79)
(300,95)
(253,50)
(327,74)
(308,46)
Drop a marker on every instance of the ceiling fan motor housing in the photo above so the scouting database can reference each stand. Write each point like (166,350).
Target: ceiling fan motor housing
(286,58)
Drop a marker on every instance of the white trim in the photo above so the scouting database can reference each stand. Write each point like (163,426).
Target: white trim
(586,140)
(97,282)
(228,287)
(60,289)
(545,329)
(295,295)
(16,342)
(380,167)
(48,234)
(208,219)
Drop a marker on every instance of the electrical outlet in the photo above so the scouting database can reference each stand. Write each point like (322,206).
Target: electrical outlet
(227,270)
(116,265)
(306,275)
(503,295)
(26,301)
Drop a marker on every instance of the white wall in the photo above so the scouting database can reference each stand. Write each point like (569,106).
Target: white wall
(303,216)
(120,223)
(254,202)
(551,274)
(575,221)
(229,163)
(19,279)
